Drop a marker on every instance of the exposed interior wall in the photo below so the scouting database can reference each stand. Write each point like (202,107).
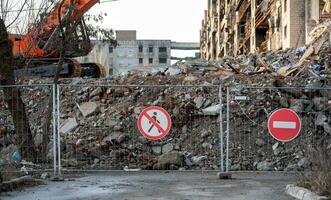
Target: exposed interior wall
(238,27)
(297,23)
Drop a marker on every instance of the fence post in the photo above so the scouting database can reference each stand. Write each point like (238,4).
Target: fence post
(54,128)
(220,135)
(227,127)
(58,130)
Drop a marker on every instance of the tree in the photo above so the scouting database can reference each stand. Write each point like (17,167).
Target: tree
(62,40)
(12,94)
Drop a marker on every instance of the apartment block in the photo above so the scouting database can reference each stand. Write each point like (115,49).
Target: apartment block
(234,27)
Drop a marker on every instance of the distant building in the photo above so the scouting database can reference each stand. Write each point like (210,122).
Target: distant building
(130,54)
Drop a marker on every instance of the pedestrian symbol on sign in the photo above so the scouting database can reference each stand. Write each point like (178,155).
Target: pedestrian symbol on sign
(152,126)
(154,123)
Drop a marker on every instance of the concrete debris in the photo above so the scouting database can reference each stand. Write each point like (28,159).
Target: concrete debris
(45,175)
(212,110)
(98,122)
(170,160)
(89,108)
(68,125)
(265,166)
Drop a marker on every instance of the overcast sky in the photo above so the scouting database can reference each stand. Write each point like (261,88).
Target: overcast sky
(177,20)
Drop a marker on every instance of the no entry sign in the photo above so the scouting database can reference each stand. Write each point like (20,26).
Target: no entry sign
(284,125)
(154,123)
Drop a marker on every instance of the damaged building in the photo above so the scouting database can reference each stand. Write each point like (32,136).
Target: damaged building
(234,27)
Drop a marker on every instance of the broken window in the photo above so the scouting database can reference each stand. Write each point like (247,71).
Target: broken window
(162,49)
(141,60)
(141,49)
(162,60)
(150,49)
(111,49)
(150,61)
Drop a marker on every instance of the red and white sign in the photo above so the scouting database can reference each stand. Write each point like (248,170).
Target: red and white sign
(154,123)
(284,125)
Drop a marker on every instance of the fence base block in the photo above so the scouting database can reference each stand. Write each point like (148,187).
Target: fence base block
(57,178)
(224,175)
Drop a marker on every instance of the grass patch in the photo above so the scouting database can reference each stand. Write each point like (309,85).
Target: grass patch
(317,177)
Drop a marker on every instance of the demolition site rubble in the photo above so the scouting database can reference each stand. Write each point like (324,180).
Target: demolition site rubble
(98,117)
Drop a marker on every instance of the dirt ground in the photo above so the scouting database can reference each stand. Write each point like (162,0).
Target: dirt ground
(161,186)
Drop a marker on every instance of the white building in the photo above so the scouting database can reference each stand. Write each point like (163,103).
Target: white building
(130,54)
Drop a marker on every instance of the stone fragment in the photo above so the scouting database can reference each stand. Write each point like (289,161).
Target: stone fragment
(44,175)
(297,105)
(199,159)
(212,110)
(96,92)
(68,125)
(320,103)
(157,150)
(167,148)
(38,139)
(259,142)
(113,138)
(320,119)
(199,101)
(174,157)
(89,108)
(265,166)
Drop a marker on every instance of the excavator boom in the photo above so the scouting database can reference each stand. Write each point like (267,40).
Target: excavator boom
(41,40)
(32,44)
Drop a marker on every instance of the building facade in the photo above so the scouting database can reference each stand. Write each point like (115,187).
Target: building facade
(234,27)
(130,54)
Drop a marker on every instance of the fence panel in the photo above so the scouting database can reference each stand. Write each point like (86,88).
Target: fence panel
(98,127)
(26,143)
(251,146)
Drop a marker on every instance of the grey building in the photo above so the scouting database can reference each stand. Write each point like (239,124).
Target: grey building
(131,54)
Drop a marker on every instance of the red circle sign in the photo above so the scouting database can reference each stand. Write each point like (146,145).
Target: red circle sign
(154,123)
(284,125)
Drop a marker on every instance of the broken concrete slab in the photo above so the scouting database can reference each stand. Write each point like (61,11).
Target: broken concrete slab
(89,108)
(68,125)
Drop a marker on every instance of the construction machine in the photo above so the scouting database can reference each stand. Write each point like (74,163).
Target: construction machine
(38,51)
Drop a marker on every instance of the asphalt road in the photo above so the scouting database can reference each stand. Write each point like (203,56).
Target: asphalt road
(161,186)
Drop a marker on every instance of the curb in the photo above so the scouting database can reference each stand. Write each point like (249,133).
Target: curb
(302,193)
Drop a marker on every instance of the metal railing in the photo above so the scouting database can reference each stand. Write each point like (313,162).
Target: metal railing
(251,146)
(27,128)
(99,130)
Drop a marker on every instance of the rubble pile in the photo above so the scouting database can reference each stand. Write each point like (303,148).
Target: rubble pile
(99,117)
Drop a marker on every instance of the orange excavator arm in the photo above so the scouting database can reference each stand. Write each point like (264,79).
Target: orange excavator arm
(32,44)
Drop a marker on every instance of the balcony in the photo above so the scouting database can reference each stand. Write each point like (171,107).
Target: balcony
(243,8)
(260,15)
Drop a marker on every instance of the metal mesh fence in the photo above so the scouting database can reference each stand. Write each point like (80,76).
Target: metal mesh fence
(26,142)
(251,147)
(99,131)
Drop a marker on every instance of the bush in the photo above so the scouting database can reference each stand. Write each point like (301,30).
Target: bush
(318,176)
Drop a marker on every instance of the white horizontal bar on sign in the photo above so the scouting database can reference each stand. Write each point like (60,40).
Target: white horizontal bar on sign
(282,124)
(241,98)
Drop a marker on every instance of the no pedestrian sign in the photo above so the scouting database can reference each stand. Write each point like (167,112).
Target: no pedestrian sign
(154,123)
(284,125)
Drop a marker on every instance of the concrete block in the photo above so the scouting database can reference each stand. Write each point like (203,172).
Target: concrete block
(302,193)
(224,175)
